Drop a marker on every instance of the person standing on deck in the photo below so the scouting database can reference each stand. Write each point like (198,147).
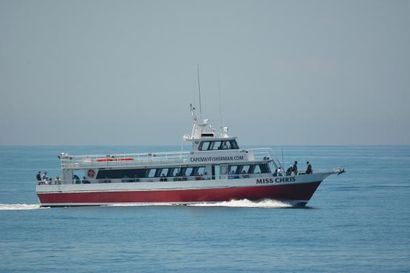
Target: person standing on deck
(38,176)
(295,168)
(309,168)
(44,177)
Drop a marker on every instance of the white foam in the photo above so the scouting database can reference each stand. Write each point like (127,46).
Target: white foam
(245,203)
(139,204)
(19,206)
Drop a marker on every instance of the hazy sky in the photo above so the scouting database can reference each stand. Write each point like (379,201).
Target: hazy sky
(124,72)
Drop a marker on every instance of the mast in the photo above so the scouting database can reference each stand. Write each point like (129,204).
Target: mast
(220,101)
(199,91)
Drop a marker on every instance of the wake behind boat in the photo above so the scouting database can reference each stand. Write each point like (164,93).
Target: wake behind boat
(216,169)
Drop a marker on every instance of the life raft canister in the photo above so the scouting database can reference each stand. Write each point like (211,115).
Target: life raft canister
(91,173)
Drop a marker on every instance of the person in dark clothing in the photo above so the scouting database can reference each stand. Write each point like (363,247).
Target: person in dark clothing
(38,176)
(309,168)
(289,170)
(295,168)
(162,178)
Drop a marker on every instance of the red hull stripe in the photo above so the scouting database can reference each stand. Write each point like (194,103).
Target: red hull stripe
(279,192)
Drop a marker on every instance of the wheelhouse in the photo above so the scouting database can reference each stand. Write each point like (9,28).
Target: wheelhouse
(218,144)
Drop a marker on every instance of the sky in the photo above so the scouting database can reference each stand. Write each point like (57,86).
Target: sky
(96,72)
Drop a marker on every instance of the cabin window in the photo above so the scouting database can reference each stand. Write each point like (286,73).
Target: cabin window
(164,172)
(225,145)
(234,144)
(177,172)
(158,172)
(264,168)
(198,171)
(204,146)
(248,169)
(256,169)
(151,173)
(233,169)
(172,172)
(216,171)
(239,169)
(182,171)
(188,171)
(201,171)
(124,173)
(218,145)
(213,145)
(245,169)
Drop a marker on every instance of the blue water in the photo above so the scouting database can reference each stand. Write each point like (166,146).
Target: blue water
(356,222)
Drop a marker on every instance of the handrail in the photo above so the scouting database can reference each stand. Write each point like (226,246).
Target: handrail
(83,161)
(127,160)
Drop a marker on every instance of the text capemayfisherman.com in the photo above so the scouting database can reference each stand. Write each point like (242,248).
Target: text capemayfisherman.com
(216,158)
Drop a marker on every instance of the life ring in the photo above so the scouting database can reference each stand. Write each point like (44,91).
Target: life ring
(91,173)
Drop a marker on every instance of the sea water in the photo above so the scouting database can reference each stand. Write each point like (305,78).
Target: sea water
(356,222)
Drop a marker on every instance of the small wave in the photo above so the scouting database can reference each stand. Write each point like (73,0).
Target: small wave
(19,206)
(245,203)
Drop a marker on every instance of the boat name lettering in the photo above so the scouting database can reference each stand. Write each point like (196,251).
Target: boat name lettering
(216,158)
(275,180)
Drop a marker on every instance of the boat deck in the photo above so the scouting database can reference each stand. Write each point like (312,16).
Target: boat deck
(146,159)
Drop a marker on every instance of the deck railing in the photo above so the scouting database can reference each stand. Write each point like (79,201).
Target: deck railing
(131,160)
(121,160)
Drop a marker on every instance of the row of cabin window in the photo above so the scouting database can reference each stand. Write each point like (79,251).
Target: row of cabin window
(249,169)
(172,172)
(150,173)
(218,145)
(178,172)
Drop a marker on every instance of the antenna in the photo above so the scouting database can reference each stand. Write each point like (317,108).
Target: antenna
(199,91)
(283,162)
(220,100)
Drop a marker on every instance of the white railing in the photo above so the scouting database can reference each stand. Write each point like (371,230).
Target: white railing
(134,160)
(263,154)
(121,160)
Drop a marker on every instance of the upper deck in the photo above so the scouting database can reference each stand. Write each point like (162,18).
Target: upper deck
(77,162)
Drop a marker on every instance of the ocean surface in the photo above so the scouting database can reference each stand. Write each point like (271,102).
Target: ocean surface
(356,222)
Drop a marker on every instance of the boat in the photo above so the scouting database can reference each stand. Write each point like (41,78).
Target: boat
(215,169)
